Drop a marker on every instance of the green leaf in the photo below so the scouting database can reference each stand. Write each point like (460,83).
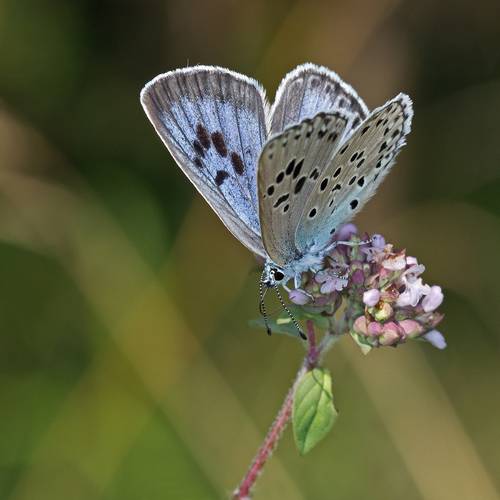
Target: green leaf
(313,410)
(362,343)
(305,313)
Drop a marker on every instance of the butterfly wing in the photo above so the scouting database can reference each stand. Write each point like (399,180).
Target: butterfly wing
(309,90)
(354,174)
(289,167)
(213,122)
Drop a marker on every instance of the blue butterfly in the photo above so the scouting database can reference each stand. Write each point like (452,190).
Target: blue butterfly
(282,178)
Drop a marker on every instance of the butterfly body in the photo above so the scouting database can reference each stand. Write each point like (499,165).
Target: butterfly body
(283,179)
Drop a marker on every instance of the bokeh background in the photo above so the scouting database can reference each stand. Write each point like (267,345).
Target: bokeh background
(127,367)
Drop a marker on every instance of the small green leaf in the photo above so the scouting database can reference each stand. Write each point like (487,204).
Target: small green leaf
(305,313)
(362,343)
(313,410)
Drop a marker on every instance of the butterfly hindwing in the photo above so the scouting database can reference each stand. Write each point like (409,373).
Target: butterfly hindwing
(310,89)
(354,174)
(213,121)
(289,167)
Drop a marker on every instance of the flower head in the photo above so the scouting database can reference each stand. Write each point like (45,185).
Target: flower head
(386,300)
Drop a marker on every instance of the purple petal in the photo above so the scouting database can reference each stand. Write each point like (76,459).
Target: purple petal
(378,241)
(371,297)
(433,299)
(328,286)
(435,338)
(299,297)
(346,231)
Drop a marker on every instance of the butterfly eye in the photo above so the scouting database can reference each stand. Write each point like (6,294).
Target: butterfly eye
(278,275)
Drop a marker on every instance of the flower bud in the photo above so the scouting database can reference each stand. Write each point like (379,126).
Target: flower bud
(436,339)
(390,334)
(371,297)
(374,329)
(382,312)
(359,325)
(433,299)
(411,328)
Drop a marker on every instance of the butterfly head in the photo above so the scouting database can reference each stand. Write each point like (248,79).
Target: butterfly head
(273,275)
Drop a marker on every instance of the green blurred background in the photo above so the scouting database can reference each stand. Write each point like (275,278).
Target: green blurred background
(127,369)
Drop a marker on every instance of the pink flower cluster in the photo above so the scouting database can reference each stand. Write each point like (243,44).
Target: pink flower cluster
(386,300)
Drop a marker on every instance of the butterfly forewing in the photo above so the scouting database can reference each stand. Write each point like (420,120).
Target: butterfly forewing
(213,121)
(289,167)
(354,174)
(309,90)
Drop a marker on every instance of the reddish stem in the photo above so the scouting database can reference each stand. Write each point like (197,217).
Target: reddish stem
(313,352)
(276,431)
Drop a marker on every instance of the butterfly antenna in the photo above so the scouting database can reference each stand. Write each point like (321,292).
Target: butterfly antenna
(262,305)
(292,317)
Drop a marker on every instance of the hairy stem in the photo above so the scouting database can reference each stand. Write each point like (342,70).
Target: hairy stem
(244,490)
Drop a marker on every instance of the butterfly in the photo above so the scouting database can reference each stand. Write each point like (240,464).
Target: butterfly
(282,178)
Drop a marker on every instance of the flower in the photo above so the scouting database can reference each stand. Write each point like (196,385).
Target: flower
(433,299)
(414,291)
(330,281)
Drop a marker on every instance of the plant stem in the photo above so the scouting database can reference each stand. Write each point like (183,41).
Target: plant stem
(244,490)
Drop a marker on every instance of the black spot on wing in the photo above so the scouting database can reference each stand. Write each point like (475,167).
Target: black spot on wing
(219,143)
(297,169)
(202,135)
(198,148)
(281,200)
(299,184)
(237,163)
(333,136)
(290,167)
(314,174)
(220,177)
